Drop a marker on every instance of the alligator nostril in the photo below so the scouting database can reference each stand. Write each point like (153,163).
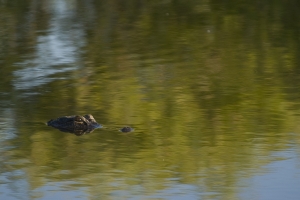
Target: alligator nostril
(126,129)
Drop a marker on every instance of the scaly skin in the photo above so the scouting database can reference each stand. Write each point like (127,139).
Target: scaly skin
(75,124)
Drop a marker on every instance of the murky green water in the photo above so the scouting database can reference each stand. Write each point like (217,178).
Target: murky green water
(212,89)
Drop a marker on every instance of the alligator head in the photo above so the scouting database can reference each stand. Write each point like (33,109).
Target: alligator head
(76,124)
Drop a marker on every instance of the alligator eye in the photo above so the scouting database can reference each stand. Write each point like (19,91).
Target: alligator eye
(78,119)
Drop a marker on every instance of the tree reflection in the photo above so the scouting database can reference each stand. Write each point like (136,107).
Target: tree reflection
(211,86)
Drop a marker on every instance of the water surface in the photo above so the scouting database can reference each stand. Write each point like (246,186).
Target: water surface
(211,88)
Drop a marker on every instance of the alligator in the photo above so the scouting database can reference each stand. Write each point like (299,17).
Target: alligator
(79,125)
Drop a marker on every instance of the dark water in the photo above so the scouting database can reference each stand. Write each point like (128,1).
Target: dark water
(212,89)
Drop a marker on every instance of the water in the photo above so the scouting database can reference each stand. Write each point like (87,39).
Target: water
(211,88)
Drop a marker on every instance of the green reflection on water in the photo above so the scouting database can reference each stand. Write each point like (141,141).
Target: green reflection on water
(210,88)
